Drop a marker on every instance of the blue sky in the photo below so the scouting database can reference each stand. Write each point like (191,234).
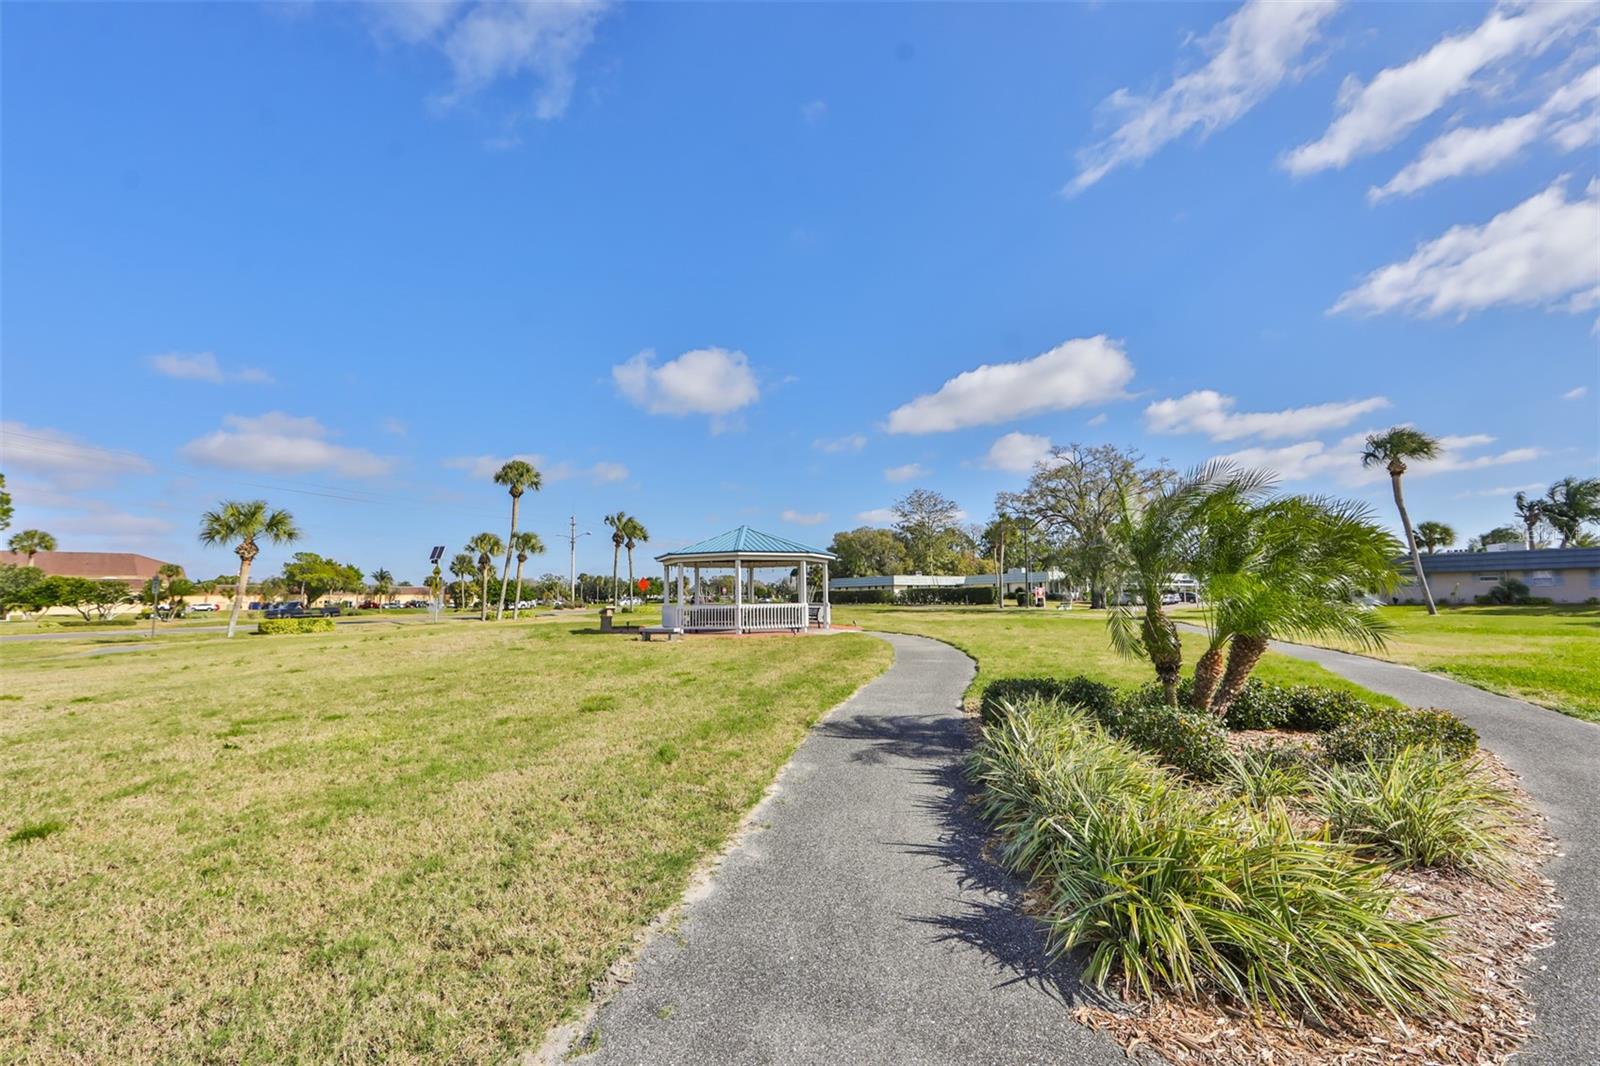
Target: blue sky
(777,264)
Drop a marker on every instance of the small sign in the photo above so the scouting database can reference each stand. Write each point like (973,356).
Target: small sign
(644,584)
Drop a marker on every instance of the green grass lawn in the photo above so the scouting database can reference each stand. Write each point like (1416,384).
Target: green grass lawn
(1029,642)
(407,843)
(1546,655)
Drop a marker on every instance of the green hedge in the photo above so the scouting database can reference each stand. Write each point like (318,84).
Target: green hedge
(281,626)
(1383,733)
(973,595)
(852,596)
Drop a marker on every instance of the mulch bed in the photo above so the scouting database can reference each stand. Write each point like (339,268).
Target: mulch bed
(1497,925)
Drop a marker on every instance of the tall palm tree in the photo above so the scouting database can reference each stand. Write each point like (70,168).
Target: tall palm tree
(487,546)
(382,585)
(1159,533)
(243,523)
(619,536)
(1392,449)
(31,542)
(1434,535)
(518,477)
(463,566)
(524,544)
(636,533)
(1533,512)
(1304,566)
(1570,504)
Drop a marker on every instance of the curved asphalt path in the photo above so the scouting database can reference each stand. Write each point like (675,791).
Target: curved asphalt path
(1558,759)
(858,921)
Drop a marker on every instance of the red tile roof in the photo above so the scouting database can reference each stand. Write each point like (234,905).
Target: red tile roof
(127,566)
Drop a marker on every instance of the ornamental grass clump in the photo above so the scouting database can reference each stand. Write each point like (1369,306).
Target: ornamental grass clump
(1262,775)
(1179,896)
(1423,807)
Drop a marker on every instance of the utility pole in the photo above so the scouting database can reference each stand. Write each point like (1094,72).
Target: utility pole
(572,556)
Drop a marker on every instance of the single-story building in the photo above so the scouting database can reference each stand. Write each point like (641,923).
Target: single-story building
(1054,582)
(135,569)
(1561,575)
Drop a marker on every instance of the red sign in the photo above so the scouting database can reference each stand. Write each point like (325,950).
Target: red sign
(644,584)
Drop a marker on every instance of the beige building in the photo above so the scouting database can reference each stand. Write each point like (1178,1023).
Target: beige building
(1561,575)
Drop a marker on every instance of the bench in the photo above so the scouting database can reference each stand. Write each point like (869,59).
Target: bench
(670,632)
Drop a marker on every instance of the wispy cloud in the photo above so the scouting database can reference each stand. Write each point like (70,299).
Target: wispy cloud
(279,443)
(1017,452)
(1212,413)
(204,366)
(705,381)
(483,467)
(1251,53)
(814,111)
(906,472)
(852,442)
(1540,253)
(1073,374)
(1342,460)
(1576,394)
(877,516)
(537,41)
(1376,115)
(66,462)
(804,518)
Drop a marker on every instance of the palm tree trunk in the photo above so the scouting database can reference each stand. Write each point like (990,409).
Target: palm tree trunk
(1166,651)
(239,593)
(616,552)
(511,549)
(1207,673)
(516,606)
(1411,542)
(483,597)
(630,570)
(1243,654)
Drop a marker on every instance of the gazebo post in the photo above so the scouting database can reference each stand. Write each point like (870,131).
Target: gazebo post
(738,596)
(827,611)
(805,609)
(683,618)
(697,582)
(666,589)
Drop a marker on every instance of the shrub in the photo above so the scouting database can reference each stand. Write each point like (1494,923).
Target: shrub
(1380,733)
(1191,741)
(1096,697)
(1420,808)
(1510,592)
(281,626)
(1315,709)
(959,594)
(1260,706)
(1261,775)
(858,596)
(1175,895)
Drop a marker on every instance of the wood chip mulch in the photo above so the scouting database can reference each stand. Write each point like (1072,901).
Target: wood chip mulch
(1498,924)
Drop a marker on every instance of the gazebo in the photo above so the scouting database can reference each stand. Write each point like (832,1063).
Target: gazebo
(689,606)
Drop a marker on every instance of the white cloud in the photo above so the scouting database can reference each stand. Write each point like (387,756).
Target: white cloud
(906,472)
(1342,460)
(1017,452)
(505,39)
(1073,374)
(203,366)
(814,111)
(804,518)
(1503,490)
(65,461)
(1252,51)
(395,427)
(112,523)
(705,381)
(1476,149)
(1098,420)
(483,467)
(279,443)
(877,516)
(852,442)
(1540,253)
(1211,413)
(1376,115)
(1576,394)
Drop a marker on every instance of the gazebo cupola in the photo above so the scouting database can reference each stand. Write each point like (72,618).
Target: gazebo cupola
(694,604)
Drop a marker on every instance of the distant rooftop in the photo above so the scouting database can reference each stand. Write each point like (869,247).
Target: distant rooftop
(127,566)
(1539,559)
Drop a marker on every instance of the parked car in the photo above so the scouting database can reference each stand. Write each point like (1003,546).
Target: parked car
(202,608)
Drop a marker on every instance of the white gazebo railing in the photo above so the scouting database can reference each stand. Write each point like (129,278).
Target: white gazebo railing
(746,618)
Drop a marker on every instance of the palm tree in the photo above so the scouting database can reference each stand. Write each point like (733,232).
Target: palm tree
(518,477)
(1533,512)
(31,542)
(382,585)
(1392,449)
(243,523)
(636,533)
(1159,534)
(1432,535)
(487,546)
(463,566)
(1571,503)
(619,536)
(1305,565)
(524,544)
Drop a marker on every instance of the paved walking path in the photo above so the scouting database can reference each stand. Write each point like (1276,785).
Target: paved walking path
(857,922)
(1558,758)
